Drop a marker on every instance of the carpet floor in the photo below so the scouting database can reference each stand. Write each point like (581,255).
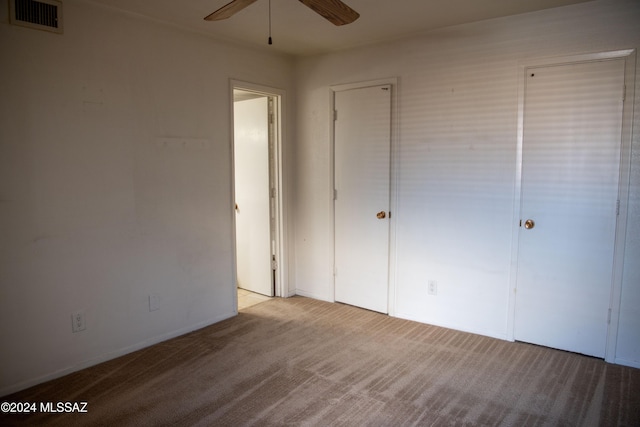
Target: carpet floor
(303,362)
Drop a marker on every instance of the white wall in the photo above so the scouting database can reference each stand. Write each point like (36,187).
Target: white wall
(457,117)
(95,213)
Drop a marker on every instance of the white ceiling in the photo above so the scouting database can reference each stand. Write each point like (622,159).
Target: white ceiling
(297,30)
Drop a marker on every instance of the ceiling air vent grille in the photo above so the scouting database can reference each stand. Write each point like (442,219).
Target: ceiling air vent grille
(43,14)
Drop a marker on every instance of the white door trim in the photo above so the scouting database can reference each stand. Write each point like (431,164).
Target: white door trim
(393,175)
(623,190)
(282,276)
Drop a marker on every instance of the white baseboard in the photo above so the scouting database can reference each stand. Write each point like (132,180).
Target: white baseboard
(13,388)
(483,332)
(304,293)
(627,362)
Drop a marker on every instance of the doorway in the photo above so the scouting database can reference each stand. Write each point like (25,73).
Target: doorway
(257,189)
(362,195)
(570,191)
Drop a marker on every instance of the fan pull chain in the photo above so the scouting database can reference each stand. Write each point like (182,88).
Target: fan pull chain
(270,42)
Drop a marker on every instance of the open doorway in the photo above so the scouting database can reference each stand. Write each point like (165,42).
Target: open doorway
(257,201)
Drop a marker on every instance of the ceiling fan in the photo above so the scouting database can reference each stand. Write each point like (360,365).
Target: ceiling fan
(335,11)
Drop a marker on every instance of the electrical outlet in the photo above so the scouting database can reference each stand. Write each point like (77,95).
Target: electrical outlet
(78,321)
(154,302)
(433,287)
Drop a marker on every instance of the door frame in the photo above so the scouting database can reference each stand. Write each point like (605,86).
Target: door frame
(393,180)
(280,232)
(629,55)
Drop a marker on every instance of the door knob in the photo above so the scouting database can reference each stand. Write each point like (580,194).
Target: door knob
(529,224)
(381,215)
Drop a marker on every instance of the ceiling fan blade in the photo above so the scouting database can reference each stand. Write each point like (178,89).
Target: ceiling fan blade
(334,11)
(228,10)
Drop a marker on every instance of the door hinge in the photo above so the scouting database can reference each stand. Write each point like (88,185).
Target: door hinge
(618,207)
(624,92)
(609,317)
(270,118)
(274,264)
(335,194)
(335,115)
(273,193)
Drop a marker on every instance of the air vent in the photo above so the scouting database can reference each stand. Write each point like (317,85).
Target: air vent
(43,14)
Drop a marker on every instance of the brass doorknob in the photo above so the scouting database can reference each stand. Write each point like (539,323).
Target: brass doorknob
(381,215)
(529,224)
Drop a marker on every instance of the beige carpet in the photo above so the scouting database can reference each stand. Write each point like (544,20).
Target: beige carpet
(299,361)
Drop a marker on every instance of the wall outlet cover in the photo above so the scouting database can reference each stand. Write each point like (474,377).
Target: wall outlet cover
(432,287)
(154,302)
(78,321)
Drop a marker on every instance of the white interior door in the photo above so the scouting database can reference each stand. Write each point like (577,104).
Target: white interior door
(570,169)
(362,183)
(251,165)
